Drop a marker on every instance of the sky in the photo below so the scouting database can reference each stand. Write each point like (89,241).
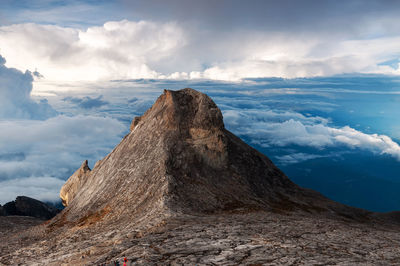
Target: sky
(312,84)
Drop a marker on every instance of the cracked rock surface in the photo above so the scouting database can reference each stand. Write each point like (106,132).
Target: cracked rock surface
(260,238)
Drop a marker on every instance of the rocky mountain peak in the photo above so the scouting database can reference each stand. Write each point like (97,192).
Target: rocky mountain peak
(184,110)
(179,158)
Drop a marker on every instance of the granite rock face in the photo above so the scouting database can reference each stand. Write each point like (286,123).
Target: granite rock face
(25,206)
(179,158)
(181,189)
(74,183)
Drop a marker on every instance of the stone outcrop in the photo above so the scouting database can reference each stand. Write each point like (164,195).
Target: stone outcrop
(25,206)
(74,183)
(179,158)
(134,123)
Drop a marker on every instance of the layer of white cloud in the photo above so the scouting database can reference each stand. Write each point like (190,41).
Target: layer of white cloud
(240,118)
(303,131)
(298,157)
(33,150)
(116,50)
(41,188)
(290,58)
(144,49)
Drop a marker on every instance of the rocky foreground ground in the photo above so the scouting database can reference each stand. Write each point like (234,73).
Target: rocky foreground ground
(225,239)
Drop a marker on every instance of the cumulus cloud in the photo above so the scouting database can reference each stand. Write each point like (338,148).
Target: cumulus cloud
(306,131)
(172,50)
(50,150)
(39,148)
(290,57)
(15,95)
(118,49)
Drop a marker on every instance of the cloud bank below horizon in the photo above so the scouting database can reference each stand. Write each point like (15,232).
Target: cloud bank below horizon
(40,147)
(265,130)
(47,152)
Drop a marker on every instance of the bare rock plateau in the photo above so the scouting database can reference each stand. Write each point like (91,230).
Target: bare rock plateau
(180,189)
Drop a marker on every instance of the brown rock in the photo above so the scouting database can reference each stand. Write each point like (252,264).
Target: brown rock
(180,158)
(74,183)
(134,123)
(26,206)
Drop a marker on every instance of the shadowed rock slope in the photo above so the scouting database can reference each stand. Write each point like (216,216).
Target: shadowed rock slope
(26,206)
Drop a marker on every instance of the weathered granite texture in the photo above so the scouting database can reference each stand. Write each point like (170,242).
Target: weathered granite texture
(178,158)
(181,189)
(256,238)
(74,183)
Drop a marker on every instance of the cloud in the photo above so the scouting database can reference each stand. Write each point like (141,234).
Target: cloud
(177,50)
(40,148)
(72,13)
(41,188)
(14,156)
(15,96)
(51,150)
(116,50)
(270,15)
(305,131)
(277,55)
(242,118)
(328,16)
(297,158)
(87,102)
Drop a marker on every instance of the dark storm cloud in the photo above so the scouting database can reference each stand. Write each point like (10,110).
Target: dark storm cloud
(270,15)
(288,15)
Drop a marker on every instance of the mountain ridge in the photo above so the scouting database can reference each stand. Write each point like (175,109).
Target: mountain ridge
(26,206)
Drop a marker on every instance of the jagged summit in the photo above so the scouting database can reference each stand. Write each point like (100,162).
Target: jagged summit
(183,110)
(179,158)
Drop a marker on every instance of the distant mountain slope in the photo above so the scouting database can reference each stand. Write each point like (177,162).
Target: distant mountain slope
(25,206)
